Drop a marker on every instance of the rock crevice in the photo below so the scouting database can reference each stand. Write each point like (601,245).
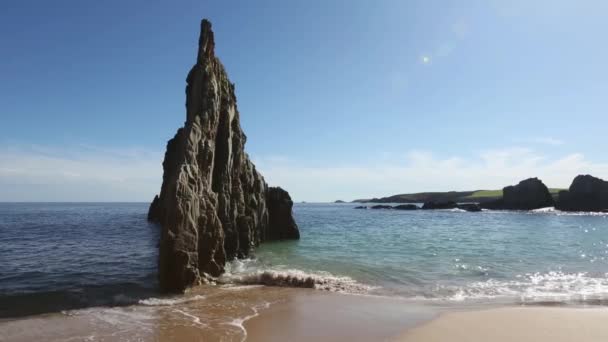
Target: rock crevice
(213,204)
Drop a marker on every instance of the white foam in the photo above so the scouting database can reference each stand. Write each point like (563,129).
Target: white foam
(240,322)
(196,320)
(297,278)
(544,210)
(169,301)
(232,287)
(552,210)
(533,287)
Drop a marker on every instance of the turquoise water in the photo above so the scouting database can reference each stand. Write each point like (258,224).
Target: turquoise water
(447,255)
(57,256)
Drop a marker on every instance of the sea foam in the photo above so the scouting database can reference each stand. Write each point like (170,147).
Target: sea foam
(248,272)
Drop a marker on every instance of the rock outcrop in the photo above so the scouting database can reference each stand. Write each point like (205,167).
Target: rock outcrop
(406,207)
(529,194)
(381,206)
(281,226)
(470,207)
(213,204)
(440,205)
(586,193)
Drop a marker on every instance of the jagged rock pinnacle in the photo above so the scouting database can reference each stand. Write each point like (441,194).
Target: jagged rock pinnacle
(206,42)
(213,204)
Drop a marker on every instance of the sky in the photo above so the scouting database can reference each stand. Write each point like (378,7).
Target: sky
(339,99)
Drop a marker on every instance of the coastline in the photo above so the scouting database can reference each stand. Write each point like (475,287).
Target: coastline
(263,313)
(237,313)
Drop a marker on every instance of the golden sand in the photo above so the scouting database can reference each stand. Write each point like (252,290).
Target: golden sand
(522,324)
(287,314)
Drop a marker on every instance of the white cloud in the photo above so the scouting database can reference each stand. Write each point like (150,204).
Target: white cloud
(542,141)
(423,171)
(85,173)
(549,141)
(80,173)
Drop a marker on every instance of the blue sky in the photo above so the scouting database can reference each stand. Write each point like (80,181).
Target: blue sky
(339,99)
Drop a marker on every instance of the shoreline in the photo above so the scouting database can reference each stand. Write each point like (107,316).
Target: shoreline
(263,313)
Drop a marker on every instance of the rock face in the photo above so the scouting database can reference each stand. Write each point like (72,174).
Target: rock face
(586,193)
(529,194)
(213,204)
(281,226)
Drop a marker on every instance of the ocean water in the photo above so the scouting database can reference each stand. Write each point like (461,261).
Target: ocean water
(56,256)
(447,256)
(65,256)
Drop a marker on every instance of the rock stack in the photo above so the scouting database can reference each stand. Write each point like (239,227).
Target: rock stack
(529,194)
(213,205)
(586,193)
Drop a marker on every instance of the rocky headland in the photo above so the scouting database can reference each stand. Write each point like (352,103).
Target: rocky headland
(214,205)
(587,193)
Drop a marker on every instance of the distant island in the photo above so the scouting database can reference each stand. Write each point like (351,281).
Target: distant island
(586,193)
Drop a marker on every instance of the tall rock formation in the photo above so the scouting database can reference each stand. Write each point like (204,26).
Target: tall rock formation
(213,204)
(586,193)
(529,194)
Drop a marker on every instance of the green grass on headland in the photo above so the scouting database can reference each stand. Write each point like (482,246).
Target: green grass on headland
(486,193)
(456,196)
(498,193)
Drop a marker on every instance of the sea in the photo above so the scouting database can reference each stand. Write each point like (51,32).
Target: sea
(96,263)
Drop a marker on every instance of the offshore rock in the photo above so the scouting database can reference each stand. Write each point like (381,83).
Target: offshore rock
(529,194)
(213,204)
(381,206)
(439,205)
(586,193)
(282,226)
(471,207)
(406,207)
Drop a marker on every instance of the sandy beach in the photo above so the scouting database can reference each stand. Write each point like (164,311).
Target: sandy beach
(319,316)
(538,324)
(259,313)
(253,313)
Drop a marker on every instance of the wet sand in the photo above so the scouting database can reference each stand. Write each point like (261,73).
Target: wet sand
(523,324)
(259,313)
(254,313)
(320,316)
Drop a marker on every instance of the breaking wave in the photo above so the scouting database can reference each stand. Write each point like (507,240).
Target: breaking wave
(534,287)
(248,272)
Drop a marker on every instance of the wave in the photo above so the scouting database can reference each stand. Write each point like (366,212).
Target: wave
(239,322)
(169,301)
(544,210)
(552,210)
(532,287)
(248,272)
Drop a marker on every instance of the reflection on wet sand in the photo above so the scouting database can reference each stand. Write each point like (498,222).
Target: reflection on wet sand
(255,313)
